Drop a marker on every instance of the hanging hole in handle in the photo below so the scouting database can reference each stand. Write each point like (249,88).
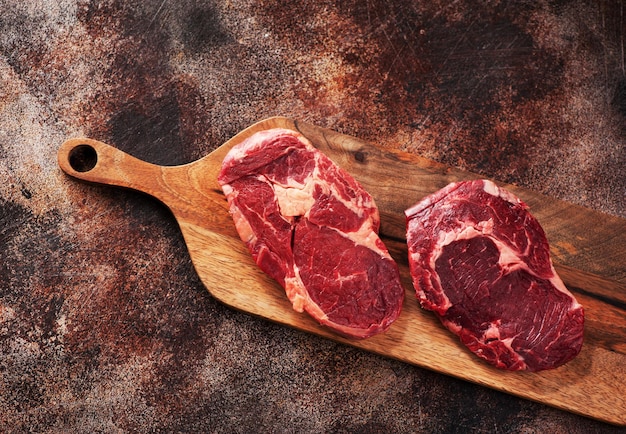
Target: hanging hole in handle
(83,158)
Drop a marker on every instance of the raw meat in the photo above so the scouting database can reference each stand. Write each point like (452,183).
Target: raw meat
(481,262)
(309,225)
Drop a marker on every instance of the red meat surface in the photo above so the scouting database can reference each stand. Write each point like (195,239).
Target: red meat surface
(481,262)
(309,225)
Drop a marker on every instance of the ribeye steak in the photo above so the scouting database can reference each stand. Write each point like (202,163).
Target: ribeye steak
(309,225)
(481,262)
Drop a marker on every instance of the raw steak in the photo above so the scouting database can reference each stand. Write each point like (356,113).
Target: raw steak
(482,263)
(309,225)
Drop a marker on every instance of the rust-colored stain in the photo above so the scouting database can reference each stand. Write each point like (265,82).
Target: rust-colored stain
(104,325)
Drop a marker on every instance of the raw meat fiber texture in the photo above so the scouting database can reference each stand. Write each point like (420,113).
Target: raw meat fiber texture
(309,225)
(481,262)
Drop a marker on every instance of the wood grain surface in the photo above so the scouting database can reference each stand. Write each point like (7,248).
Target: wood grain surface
(588,249)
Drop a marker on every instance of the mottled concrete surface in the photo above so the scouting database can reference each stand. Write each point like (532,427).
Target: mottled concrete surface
(104,326)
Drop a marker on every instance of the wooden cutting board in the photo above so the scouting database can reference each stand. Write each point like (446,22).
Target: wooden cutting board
(588,249)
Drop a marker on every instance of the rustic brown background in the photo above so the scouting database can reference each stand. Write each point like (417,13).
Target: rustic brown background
(105,327)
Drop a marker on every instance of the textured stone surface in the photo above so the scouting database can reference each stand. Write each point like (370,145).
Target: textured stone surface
(104,326)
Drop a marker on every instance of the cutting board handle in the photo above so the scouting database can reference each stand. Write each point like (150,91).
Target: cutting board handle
(94,161)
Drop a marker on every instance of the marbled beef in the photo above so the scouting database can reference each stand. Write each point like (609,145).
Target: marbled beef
(309,225)
(481,262)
